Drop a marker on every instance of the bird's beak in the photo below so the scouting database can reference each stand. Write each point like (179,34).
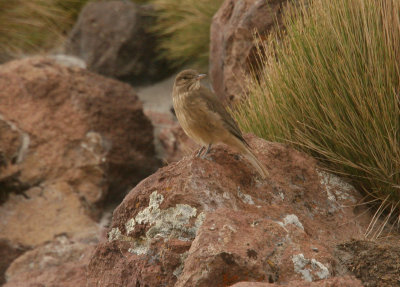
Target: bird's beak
(201,76)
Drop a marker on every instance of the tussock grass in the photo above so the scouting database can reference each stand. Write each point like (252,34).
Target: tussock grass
(32,26)
(184,29)
(331,86)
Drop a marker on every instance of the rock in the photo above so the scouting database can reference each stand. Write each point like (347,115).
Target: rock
(374,263)
(213,222)
(68,61)
(253,284)
(175,143)
(51,209)
(8,252)
(232,48)
(113,39)
(346,281)
(71,142)
(72,124)
(60,263)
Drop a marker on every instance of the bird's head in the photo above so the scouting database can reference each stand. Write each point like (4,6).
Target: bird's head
(187,81)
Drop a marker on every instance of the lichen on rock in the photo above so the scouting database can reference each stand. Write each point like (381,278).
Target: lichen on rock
(315,268)
(173,222)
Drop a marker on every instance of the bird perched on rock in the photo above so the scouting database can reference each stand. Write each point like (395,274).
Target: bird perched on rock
(205,120)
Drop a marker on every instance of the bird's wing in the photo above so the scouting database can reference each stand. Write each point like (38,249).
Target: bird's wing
(215,105)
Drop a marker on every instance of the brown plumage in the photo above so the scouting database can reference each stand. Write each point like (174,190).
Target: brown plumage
(204,118)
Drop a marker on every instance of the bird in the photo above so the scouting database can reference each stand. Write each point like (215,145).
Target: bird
(205,120)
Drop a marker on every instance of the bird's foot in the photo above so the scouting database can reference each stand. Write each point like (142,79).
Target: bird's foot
(207,151)
(199,152)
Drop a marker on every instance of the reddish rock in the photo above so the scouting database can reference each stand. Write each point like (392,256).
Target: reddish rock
(61,263)
(73,124)
(70,140)
(213,222)
(346,281)
(113,39)
(232,48)
(50,210)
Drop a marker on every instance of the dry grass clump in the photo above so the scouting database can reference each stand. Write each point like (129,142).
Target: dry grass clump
(29,26)
(184,29)
(32,26)
(331,87)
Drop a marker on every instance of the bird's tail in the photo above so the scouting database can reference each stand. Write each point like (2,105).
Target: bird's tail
(248,153)
(244,148)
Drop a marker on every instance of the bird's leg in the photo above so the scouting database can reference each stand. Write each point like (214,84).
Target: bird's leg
(208,149)
(200,150)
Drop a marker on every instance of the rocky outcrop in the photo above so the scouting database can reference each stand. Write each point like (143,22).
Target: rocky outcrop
(113,39)
(70,140)
(213,222)
(232,48)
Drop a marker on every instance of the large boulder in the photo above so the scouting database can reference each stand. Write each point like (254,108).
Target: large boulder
(232,48)
(113,39)
(71,142)
(72,124)
(213,222)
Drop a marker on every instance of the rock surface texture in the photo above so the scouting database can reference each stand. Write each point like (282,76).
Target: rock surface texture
(375,263)
(69,141)
(213,222)
(232,48)
(346,281)
(60,263)
(112,38)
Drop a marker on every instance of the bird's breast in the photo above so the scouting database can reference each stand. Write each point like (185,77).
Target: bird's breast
(197,120)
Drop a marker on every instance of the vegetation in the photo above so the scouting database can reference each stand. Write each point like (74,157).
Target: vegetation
(31,26)
(184,29)
(331,87)
(28,26)
(71,8)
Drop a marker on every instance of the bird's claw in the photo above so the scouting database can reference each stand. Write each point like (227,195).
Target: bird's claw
(199,152)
